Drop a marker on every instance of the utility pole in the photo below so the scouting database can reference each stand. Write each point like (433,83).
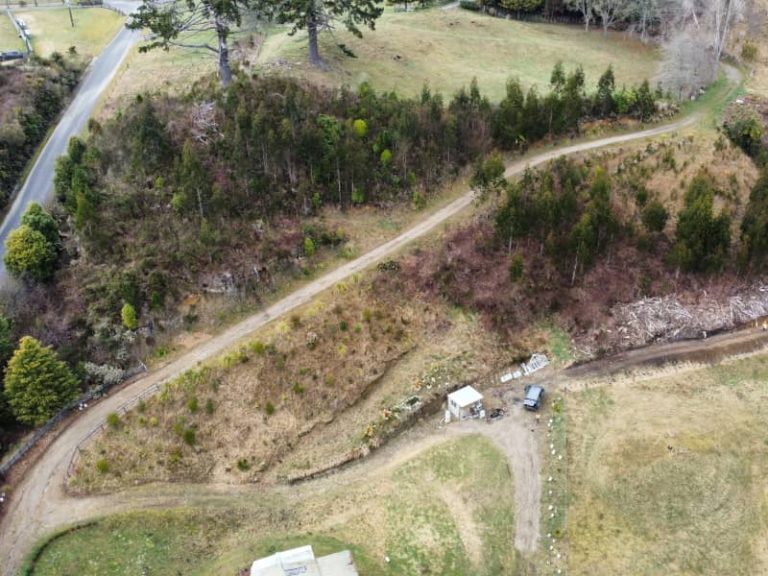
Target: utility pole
(71,19)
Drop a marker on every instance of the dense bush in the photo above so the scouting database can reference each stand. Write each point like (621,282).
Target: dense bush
(702,238)
(754,226)
(34,97)
(746,131)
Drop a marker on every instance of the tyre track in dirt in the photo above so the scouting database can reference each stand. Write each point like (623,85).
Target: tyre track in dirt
(35,505)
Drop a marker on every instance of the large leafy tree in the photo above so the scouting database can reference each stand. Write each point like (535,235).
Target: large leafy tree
(28,253)
(188,24)
(317,15)
(37,383)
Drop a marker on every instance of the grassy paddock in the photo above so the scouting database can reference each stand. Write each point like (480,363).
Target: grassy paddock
(52,32)
(9,39)
(666,476)
(449,510)
(445,49)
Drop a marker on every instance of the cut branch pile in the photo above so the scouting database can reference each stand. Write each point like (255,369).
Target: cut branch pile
(667,318)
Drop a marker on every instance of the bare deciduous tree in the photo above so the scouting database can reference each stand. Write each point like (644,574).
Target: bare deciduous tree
(611,11)
(585,7)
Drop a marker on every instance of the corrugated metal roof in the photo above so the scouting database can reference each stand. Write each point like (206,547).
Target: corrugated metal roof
(465,396)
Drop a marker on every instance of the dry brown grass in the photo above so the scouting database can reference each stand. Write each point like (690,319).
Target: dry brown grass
(281,407)
(666,473)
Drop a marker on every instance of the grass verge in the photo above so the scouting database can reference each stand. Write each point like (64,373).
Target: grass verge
(447,510)
(52,32)
(9,39)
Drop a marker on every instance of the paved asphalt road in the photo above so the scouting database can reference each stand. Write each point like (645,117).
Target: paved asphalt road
(38,186)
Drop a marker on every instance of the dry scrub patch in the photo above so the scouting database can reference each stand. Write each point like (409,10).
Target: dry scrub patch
(456,350)
(666,474)
(407,512)
(238,418)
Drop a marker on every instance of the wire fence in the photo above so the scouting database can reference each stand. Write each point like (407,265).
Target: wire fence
(32,441)
(121,410)
(21,31)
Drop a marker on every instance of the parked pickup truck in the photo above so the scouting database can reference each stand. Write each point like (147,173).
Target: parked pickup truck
(534,397)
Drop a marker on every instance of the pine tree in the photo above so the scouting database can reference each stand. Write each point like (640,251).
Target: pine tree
(37,383)
(604,105)
(128,316)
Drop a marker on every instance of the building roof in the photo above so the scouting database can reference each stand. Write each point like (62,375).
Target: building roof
(301,562)
(465,396)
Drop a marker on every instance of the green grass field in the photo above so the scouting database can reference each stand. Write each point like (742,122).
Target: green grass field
(9,39)
(52,32)
(667,475)
(447,48)
(447,511)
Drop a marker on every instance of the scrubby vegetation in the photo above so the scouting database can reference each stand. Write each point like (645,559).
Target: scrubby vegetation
(30,100)
(576,238)
(158,206)
(259,400)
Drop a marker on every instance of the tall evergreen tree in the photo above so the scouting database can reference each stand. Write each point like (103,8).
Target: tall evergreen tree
(37,383)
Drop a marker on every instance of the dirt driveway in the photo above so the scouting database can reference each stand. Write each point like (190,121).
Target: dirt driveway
(40,498)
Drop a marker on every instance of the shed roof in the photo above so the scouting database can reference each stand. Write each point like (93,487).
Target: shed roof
(465,396)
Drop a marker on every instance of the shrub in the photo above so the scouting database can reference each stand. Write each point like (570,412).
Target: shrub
(298,388)
(189,436)
(29,253)
(470,5)
(516,268)
(746,133)
(257,347)
(418,199)
(309,247)
(749,51)
(360,127)
(209,407)
(113,420)
(192,405)
(128,316)
(102,465)
(343,326)
(655,216)
(358,196)
(243,465)
(295,321)
(269,408)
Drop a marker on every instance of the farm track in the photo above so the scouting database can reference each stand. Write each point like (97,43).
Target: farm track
(40,503)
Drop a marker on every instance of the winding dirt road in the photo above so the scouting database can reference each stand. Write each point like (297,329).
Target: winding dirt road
(40,502)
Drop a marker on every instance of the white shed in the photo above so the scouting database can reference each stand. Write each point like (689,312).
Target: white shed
(302,561)
(466,403)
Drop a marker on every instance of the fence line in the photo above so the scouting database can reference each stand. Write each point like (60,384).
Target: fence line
(20,31)
(26,446)
(121,410)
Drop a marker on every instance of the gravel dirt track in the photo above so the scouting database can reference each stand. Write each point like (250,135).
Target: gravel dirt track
(40,503)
